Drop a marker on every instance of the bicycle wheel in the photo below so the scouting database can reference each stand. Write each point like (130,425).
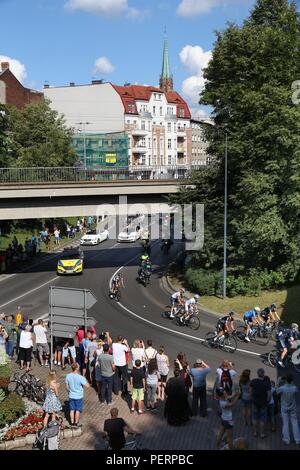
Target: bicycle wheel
(240,333)
(209,339)
(38,395)
(193,323)
(12,386)
(229,344)
(261,337)
(273,358)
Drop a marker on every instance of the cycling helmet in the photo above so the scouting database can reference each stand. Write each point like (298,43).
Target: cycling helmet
(197,297)
(182,290)
(231,314)
(257,309)
(273,306)
(294,326)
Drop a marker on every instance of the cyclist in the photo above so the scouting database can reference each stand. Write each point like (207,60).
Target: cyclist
(269,313)
(287,340)
(250,318)
(189,308)
(144,257)
(117,282)
(223,325)
(176,300)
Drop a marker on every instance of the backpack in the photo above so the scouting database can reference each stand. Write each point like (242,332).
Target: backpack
(226,380)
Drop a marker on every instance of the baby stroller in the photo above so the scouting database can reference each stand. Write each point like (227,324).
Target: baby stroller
(48,438)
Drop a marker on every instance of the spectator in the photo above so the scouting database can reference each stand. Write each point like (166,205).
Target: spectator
(152,378)
(52,404)
(150,352)
(10,330)
(107,368)
(57,236)
(199,373)
(39,244)
(68,352)
(97,354)
(26,345)
(272,407)
(48,242)
(42,346)
(3,337)
(246,396)
(15,243)
(177,409)
(181,364)
(83,360)
(75,384)
(260,395)
(226,404)
(138,385)
(138,352)
(163,366)
(288,406)
(119,349)
(114,428)
(91,349)
(225,375)
(58,348)
(68,230)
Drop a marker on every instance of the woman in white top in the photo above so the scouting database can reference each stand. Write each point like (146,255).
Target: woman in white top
(138,352)
(25,348)
(97,354)
(163,366)
(226,404)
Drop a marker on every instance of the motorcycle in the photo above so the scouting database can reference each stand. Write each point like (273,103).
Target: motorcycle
(144,277)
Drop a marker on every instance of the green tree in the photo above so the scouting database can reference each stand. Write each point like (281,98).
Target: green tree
(248,84)
(3,136)
(39,137)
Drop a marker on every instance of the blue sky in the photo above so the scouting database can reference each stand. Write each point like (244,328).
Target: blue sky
(59,41)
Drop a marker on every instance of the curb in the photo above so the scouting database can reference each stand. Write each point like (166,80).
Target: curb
(30,439)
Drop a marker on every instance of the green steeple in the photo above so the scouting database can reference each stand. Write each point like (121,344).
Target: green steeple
(166,78)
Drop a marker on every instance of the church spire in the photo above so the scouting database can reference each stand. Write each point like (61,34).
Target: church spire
(166,78)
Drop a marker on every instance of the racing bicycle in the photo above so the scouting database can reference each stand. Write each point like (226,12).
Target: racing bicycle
(292,359)
(193,321)
(258,334)
(226,342)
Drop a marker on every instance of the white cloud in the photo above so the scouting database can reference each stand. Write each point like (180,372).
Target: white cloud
(195,59)
(108,8)
(103,65)
(16,67)
(199,7)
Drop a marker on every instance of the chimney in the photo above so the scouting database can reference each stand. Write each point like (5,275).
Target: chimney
(4,66)
(72,83)
(97,82)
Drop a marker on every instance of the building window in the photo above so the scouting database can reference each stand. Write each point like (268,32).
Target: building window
(181,112)
(169,159)
(169,127)
(149,143)
(154,110)
(160,111)
(143,125)
(161,144)
(169,143)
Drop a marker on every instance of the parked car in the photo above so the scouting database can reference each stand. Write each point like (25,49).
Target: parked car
(92,237)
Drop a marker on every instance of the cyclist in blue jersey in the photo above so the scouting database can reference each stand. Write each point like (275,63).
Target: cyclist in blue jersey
(286,339)
(250,318)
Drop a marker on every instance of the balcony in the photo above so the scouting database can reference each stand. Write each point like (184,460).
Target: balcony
(170,117)
(145,114)
(139,132)
(181,149)
(181,132)
(139,149)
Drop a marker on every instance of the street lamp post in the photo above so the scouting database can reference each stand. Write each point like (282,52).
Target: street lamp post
(84,124)
(225,217)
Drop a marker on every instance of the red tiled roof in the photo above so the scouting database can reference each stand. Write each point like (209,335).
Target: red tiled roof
(129,94)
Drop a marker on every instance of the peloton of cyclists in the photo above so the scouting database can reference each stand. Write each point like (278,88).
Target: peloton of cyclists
(224,324)
(287,339)
(176,300)
(250,318)
(190,307)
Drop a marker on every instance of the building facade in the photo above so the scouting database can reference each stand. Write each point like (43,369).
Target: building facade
(155,119)
(12,92)
(199,155)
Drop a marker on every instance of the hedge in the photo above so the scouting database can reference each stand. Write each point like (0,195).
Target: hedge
(11,409)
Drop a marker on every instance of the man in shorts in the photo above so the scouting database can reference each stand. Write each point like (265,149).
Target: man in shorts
(42,346)
(75,384)
(69,351)
(138,384)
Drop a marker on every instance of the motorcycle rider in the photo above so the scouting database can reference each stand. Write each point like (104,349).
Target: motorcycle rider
(145,270)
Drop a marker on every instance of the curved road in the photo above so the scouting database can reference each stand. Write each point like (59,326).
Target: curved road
(30,290)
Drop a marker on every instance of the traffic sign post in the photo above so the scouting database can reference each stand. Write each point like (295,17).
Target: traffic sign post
(68,311)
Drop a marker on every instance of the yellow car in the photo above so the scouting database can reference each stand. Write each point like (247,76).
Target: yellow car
(71,262)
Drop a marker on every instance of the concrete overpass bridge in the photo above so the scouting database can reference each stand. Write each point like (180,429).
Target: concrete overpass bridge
(35,194)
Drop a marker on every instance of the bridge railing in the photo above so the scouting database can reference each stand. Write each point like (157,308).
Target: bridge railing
(79,174)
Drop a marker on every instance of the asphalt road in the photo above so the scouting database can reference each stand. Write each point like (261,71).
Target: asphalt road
(138,316)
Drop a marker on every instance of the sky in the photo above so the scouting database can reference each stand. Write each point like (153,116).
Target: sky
(120,41)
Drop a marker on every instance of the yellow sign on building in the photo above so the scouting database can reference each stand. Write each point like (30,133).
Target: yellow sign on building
(110,157)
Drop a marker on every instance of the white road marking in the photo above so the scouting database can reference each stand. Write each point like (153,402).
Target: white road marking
(163,327)
(29,292)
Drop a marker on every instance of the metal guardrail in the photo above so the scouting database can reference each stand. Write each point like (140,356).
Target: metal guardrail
(79,174)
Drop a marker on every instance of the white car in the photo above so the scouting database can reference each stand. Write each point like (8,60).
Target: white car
(93,238)
(129,235)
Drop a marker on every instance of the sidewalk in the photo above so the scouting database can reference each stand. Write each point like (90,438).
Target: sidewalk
(197,434)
